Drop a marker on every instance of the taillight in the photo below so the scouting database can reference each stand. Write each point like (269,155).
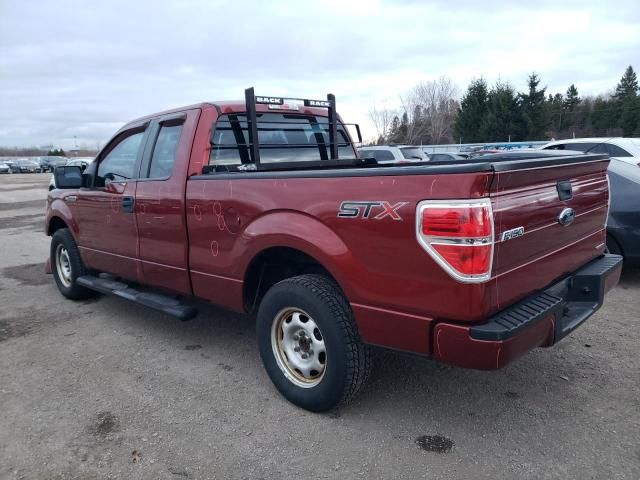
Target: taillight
(459,236)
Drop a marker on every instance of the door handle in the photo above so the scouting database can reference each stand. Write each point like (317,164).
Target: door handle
(127,204)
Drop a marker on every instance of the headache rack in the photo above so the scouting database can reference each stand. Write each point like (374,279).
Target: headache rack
(249,148)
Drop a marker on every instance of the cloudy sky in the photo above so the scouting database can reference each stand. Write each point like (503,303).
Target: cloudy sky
(82,69)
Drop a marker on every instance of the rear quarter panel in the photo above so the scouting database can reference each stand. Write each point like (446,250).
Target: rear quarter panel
(378,263)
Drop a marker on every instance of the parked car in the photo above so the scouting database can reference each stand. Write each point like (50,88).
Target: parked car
(483,152)
(446,157)
(28,166)
(623,149)
(4,168)
(623,226)
(472,263)
(13,165)
(43,162)
(77,162)
(56,161)
(394,153)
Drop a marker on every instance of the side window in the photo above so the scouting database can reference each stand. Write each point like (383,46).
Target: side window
(560,146)
(383,155)
(584,147)
(616,151)
(164,151)
(120,161)
(602,148)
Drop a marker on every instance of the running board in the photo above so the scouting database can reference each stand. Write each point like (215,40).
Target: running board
(155,301)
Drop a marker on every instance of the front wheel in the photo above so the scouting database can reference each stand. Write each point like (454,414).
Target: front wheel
(67,266)
(309,343)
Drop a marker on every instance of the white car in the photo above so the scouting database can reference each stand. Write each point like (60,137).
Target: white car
(394,153)
(624,149)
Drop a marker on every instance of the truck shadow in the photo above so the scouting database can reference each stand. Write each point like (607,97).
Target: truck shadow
(630,277)
(413,395)
(400,384)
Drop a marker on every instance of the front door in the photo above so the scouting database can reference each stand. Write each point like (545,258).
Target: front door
(105,213)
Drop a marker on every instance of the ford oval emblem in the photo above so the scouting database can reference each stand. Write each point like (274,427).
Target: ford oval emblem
(566,216)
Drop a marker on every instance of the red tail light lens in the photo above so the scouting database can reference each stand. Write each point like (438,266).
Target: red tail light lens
(464,222)
(468,260)
(459,237)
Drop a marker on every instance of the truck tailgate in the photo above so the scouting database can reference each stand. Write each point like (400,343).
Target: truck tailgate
(534,245)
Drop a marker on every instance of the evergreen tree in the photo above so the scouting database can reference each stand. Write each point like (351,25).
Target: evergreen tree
(627,103)
(629,120)
(569,105)
(572,99)
(628,85)
(56,152)
(555,113)
(394,129)
(472,112)
(404,128)
(603,116)
(533,121)
(501,121)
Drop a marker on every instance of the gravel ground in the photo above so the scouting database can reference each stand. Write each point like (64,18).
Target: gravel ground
(106,389)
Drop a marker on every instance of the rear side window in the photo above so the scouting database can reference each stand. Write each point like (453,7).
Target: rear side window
(120,161)
(164,151)
(379,155)
(282,137)
(413,153)
(616,151)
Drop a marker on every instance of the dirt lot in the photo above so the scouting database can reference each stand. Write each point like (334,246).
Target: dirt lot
(105,389)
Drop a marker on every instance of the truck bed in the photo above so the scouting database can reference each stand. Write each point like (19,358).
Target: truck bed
(383,270)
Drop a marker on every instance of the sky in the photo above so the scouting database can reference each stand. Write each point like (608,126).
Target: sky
(73,72)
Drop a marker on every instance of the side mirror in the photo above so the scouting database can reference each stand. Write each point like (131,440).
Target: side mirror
(68,177)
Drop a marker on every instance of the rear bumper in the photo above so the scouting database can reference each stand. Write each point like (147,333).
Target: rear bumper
(540,320)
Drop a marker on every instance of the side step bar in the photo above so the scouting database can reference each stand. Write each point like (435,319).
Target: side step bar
(155,301)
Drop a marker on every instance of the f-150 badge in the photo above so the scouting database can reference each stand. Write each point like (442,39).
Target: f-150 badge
(376,210)
(513,233)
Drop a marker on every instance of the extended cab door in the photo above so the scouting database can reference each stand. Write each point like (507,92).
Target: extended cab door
(160,196)
(104,213)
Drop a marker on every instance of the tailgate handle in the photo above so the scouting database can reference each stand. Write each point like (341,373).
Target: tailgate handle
(565,191)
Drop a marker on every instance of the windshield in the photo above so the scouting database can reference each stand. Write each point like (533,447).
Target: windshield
(282,137)
(414,153)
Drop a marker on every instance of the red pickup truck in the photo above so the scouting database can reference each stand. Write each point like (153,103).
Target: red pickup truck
(264,207)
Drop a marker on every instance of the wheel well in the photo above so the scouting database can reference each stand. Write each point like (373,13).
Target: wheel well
(56,223)
(616,244)
(272,266)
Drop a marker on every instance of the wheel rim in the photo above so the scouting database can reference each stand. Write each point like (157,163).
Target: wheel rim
(298,346)
(63,265)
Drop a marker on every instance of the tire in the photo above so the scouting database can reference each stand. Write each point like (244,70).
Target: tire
(67,266)
(309,312)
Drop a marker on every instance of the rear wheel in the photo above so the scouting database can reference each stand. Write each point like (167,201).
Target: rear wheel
(67,266)
(309,343)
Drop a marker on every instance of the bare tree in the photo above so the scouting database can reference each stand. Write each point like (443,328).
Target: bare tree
(381,119)
(412,107)
(431,108)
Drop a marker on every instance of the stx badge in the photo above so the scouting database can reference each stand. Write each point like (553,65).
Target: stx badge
(369,210)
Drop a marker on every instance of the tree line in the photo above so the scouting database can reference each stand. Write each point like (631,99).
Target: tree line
(42,152)
(431,114)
